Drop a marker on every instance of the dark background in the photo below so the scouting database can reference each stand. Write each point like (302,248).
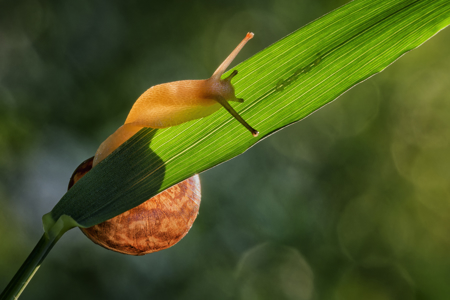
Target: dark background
(351,203)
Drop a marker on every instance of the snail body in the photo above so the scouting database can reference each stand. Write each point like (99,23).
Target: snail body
(170,104)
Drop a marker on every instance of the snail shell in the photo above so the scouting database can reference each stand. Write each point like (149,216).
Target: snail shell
(157,224)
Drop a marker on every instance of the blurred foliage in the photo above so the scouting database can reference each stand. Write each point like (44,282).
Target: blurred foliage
(351,203)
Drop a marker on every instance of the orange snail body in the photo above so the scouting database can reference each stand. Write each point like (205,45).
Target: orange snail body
(163,220)
(156,224)
(173,103)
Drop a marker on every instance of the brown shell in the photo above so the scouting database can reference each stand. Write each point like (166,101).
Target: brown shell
(156,224)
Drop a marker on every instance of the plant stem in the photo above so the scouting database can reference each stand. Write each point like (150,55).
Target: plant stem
(29,267)
(53,232)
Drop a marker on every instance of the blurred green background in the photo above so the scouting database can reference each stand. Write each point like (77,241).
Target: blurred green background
(351,203)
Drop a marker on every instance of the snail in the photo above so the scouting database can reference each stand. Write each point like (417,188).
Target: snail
(154,225)
(165,219)
(177,102)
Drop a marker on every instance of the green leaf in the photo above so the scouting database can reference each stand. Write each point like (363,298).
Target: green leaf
(281,85)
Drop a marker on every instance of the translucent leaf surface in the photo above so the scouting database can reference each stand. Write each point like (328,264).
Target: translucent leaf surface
(281,85)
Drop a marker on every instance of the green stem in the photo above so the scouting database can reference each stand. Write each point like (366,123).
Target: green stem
(28,268)
(53,233)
